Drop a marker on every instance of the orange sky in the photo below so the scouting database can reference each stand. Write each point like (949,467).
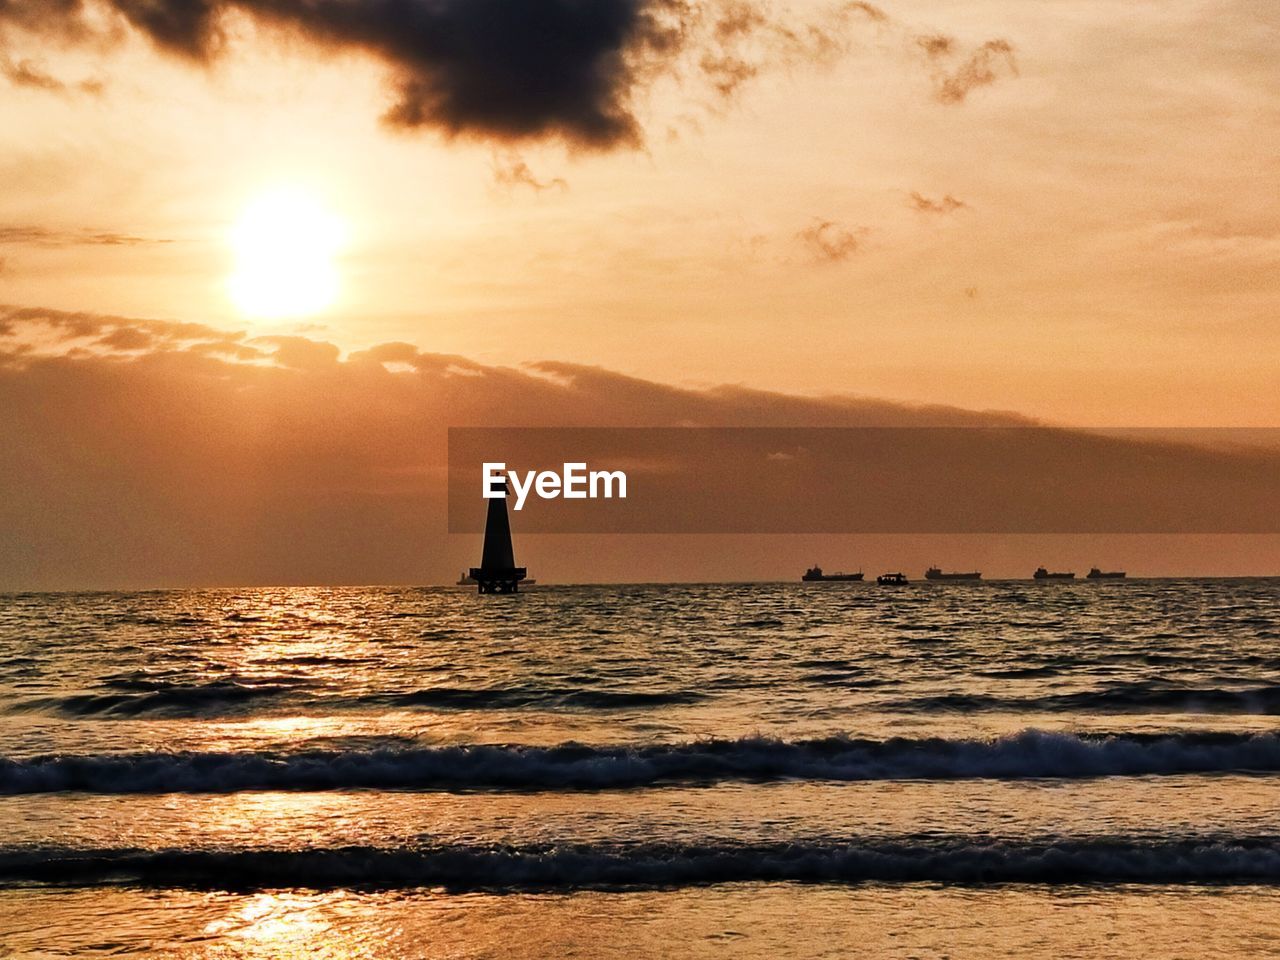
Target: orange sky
(542,211)
(1075,226)
(144,454)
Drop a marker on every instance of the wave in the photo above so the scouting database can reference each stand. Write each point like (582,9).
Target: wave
(1123,698)
(657,865)
(139,696)
(485,698)
(130,698)
(216,698)
(1030,754)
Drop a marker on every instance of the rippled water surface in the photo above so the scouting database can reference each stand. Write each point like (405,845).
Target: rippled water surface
(965,769)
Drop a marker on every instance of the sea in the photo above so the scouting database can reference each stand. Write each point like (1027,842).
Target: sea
(941,770)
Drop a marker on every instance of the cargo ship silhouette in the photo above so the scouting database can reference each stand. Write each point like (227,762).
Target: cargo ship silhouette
(1096,574)
(1043,574)
(935,573)
(815,575)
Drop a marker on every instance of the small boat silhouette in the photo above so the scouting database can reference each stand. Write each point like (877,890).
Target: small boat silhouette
(892,580)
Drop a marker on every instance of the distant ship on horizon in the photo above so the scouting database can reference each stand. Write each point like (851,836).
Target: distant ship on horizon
(815,575)
(1096,574)
(1043,574)
(935,573)
(892,580)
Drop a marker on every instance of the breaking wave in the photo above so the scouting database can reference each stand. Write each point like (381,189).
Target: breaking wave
(1029,754)
(602,866)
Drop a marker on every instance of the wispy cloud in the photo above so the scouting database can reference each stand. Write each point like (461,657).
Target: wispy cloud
(957,74)
(37,236)
(56,331)
(31,75)
(510,170)
(830,241)
(947,204)
(748,39)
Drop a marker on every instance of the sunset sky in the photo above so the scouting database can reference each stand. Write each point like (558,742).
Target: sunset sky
(1064,209)
(1086,237)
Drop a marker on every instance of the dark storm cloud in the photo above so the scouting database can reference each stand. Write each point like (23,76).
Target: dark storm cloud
(510,69)
(513,70)
(503,69)
(830,241)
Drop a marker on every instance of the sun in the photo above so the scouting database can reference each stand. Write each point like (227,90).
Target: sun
(286,245)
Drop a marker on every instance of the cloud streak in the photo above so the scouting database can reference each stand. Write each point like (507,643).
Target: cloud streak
(948,203)
(510,171)
(61,331)
(37,236)
(954,79)
(28,74)
(830,241)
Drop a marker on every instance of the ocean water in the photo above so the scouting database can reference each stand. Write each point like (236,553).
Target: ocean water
(1002,769)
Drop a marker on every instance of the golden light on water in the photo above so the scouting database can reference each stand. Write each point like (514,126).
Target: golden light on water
(286,245)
